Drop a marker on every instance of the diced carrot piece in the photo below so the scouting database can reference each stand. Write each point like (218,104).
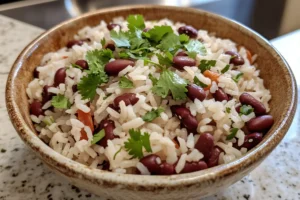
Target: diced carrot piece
(249,56)
(213,76)
(176,143)
(87,120)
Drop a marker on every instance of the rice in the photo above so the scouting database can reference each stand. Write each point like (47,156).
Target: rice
(173,138)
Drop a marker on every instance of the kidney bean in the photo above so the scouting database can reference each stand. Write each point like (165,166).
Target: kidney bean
(74,88)
(36,108)
(190,123)
(205,145)
(259,108)
(167,169)
(105,165)
(110,46)
(188,30)
(214,157)
(260,123)
(235,59)
(193,167)
(36,73)
(114,67)
(252,140)
(151,164)
(238,108)
(182,61)
(181,53)
(128,98)
(108,126)
(82,63)
(111,26)
(195,92)
(47,96)
(71,43)
(220,95)
(60,76)
(180,111)
(146,29)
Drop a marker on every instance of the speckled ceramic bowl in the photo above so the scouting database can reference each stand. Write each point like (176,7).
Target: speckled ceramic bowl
(274,70)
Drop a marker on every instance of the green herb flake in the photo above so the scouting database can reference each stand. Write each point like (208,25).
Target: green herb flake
(125,83)
(233,133)
(115,155)
(228,110)
(157,33)
(246,110)
(170,81)
(60,101)
(76,66)
(206,65)
(121,39)
(183,38)
(98,136)
(151,115)
(103,42)
(196,47)
(199,83)
(136,142)
(225,69)
(166,60)
(237,77)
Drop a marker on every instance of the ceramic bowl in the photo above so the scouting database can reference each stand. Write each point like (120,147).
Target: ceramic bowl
(274,70)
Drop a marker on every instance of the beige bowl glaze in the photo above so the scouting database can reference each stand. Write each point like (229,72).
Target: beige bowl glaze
(274,70)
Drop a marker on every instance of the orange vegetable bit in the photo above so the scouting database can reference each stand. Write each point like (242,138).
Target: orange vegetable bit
(176,143)
(213,76)
(87,120)
(249,56)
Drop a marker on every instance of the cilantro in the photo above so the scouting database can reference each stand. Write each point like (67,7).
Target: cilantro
(183,38)
(170,42)
(115,155)
(199,83)
(170,81)
(60,101)
(147,61)
(228,110)
(98,136)
(165,60)
(206,65)
(237,77)
(96,60)
(151,115)
(157,33)
(246,110)
(103,42)
(123,54)
(125,83)
(76,66)
(136,142)
(88,85)
(121,39)
(233,133)
(225,69)
(153,79)
(135,21)
(195,47)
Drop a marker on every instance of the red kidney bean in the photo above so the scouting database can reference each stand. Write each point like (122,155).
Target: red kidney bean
(71,43)
(110,46)
(111,26)
(112,106)
(105,165)
(205,145)
(235,59)
(60,76)
(82,63)
(214,157)
(108,126)
(36,73)
(36,108)
(193,167)
(260,123)
(146,29)
(128,98)
(180,111)
(220,95)
(151,164)
(252,140)
(181,53)
(114,67)
(187,119)
(74,88)
(167,169)
(188,30)
(259,108)
(47,96)
(195,92)
(182,61)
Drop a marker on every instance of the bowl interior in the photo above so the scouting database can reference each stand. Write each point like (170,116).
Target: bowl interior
(275,72)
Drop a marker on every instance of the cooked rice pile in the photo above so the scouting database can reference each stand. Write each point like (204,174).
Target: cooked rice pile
(169,140)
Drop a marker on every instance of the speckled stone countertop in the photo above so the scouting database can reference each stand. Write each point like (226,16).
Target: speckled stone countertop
(23,176)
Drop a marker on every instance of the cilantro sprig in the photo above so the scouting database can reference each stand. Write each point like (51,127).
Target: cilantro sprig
(237,77)
(151,115)
(206,65)
(246,110)
(195,47)
(125,83)
(98,136)
(60,101)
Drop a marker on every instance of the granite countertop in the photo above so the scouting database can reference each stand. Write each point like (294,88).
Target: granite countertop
(24,176)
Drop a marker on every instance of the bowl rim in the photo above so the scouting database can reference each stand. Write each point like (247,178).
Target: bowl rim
(75,169)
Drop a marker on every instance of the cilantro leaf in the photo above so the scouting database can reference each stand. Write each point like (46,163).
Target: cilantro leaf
(121,39)
(135,21)
(225,69)
(125,83)
(199,83)
(60,101)
(158,32)
(88,85)
(151,115)
(228,110)
(96,60)
(170,81)
(136,142)
(165,60)
(196,47)
(237,77)
(103,42)
(123,54)
(76,66)
(153,79)
(233,133)
(98,136)
(206,65)
(246,110)
(170,42)
(183,38)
